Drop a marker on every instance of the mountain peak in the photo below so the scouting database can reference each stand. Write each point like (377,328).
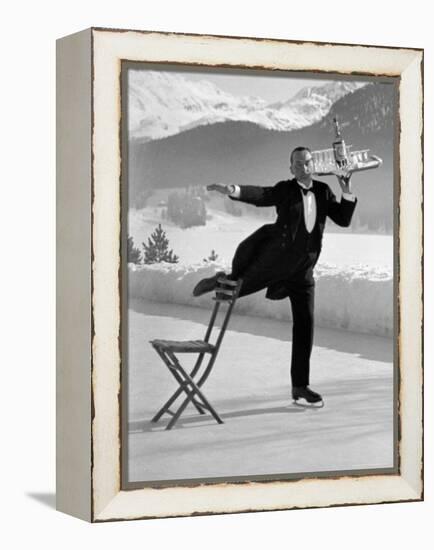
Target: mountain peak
(163,103)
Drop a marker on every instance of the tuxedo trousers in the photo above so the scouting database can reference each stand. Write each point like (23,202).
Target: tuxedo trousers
(262,262)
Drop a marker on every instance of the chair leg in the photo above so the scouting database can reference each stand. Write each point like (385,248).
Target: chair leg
(175,395)
(207,404)
(183,387)
(170,402)
(190,396)
(186,385)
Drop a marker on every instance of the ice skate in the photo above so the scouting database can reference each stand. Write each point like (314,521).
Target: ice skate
(303,396)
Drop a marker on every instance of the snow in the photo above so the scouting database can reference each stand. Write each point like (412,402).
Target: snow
(162,104)
(352,359)
(263,432)
(354,276)
(223,232)
(352,298)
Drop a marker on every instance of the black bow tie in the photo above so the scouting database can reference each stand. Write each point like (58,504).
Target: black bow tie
(305,191)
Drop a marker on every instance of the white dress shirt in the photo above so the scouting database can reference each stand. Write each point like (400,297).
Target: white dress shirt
(309,208)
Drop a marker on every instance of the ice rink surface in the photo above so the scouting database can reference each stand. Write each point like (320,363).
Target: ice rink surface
(263,433)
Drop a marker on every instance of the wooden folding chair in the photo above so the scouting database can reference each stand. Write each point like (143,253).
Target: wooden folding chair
(190,384)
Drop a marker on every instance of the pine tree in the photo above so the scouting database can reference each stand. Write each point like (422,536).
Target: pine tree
(212,257)
(133,253)
(157,249)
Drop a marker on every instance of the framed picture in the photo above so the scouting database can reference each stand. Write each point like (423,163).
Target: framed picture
(239,274)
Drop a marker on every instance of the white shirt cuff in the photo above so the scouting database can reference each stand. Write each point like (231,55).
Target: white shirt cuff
(349,197)
(237,192)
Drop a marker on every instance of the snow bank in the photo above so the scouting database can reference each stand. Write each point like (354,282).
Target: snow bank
(356,298)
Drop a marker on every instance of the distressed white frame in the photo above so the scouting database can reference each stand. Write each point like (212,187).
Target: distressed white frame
(109,47)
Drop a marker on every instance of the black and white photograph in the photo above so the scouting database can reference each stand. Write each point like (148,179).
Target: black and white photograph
(261,169)
(258,275)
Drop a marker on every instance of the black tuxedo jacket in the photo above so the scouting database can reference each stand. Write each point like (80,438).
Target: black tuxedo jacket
(286,197)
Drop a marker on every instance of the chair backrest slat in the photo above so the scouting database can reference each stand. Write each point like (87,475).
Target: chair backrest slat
(226,293)
(212,321)
(227,282)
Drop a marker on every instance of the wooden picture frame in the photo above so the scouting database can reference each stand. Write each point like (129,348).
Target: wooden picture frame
(89,374)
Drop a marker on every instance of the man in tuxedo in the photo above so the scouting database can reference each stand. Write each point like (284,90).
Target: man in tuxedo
(281,256)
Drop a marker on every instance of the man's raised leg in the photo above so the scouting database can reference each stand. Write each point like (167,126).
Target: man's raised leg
(245,255)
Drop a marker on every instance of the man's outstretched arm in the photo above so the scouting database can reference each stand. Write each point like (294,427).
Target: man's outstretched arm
(251,194)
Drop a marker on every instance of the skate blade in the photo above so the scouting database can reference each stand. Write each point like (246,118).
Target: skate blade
(306,405)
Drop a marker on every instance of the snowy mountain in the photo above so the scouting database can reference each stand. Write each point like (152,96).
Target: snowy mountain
(163,104)
(246,153)
(312,103)
(370,112)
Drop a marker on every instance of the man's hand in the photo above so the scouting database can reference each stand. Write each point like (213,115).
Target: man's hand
(221,188)
(345,183)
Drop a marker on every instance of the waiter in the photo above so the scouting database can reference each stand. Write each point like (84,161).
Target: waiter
(281,256)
